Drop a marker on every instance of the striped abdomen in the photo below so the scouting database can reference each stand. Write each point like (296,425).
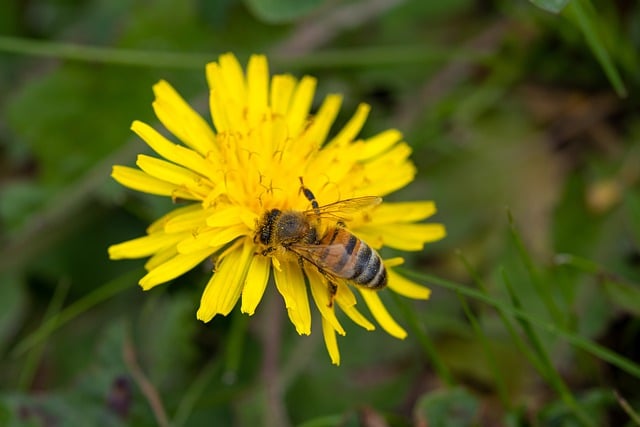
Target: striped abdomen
(348,257)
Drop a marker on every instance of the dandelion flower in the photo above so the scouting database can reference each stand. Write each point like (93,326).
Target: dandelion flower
(263,144)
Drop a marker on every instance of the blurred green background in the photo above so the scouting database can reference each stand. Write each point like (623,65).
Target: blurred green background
(525,123)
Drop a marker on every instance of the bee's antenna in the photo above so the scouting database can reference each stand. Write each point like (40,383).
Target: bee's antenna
(309,195)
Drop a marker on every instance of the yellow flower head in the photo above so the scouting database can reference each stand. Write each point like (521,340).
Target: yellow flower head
(267,160)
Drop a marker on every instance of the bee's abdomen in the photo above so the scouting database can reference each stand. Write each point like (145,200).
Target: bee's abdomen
(360,264)
(369,270)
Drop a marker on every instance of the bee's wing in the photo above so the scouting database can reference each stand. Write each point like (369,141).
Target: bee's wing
(325,257)
(344,210)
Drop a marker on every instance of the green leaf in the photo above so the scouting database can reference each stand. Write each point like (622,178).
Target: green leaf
(553,6)
(451,408)
(281,11)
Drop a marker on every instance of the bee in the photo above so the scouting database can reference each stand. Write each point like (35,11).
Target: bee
(334,251)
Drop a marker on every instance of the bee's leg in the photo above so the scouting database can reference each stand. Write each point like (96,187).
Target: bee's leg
(267,251)
(310,197)
(333,290)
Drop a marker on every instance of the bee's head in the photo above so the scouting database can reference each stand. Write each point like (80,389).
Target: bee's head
(264,233)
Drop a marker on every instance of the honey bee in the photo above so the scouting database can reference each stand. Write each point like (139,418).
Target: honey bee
(331,248)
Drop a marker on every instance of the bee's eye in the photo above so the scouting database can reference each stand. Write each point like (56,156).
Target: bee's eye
(267,226)
(264,234)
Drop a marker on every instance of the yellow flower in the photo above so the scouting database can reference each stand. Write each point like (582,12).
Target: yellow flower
(265,143)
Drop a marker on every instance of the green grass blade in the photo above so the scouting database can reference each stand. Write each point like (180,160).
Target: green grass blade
(515,337)
(581,13)
(33,358)
(553,6)
(325,421)
(114,56)
(491,359)
(548,370)
(101,294)
(330,58)
(195,391)
(540,286)
(578,263)
(425,342)
(627,408)
(586,345)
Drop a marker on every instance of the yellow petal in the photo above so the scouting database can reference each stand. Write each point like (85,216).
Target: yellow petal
(266,136)
(189,220)
(351,130)
(225,216)
(397,155)
(258,87)
(182,120)
(330,341)
(393,262)
(389,172)
(381,314)
(255,284)
(300,105)
(411,237)
(408,237)
(160,258)
(282,87)
(173,152)
(347,301)
(248,218)
(173,268)
(379,144)
(320,293)
(291,285)
(403,286)
(197,240)
(143,246)
(276,263)
(403,212)
(323,119)
(217,100)
(397,177)
(140,181)
(233,76)
(159,224)
(228,96)
(224,288)
(174,174)
(227,234)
